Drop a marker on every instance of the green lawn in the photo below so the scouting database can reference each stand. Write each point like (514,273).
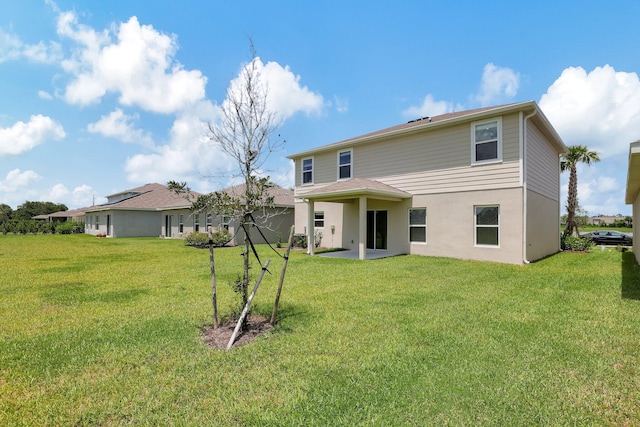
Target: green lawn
(107,332)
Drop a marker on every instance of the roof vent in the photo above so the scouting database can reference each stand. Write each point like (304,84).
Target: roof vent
(420,119)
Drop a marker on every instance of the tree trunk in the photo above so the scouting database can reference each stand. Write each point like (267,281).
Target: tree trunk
(572,202)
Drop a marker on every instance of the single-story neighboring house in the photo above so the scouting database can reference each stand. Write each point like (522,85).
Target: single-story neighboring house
(602,219)
(632,193)
(481,184)
(76,215)
(154,210)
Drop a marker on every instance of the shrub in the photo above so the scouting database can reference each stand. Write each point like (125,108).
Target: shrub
(299,241)
(70,227)
(573,243)
(220,237)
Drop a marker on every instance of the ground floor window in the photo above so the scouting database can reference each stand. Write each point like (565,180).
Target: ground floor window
(487,225)
(209,221)
(224,223)
(418,225)
(196,222)
(97,222)
(318,219)
(181,223)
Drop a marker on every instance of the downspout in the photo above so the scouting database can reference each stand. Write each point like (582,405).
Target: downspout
(523,147)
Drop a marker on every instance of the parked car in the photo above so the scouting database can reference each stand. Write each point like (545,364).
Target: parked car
(602,237)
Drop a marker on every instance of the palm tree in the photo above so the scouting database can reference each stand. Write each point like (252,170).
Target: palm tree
(569,161)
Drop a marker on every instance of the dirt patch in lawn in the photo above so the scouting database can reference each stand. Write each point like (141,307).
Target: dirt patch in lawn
(219,338)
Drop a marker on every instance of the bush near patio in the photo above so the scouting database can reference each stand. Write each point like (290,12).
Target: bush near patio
(107,332)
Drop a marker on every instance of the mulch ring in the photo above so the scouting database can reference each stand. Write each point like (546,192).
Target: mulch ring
(219,338)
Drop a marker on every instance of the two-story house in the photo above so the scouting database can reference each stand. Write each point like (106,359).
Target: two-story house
(482,184)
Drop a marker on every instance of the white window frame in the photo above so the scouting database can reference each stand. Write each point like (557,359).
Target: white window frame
(180,223)
(350,164)
(318,217)
(303,171)
(474,143)
(476,226)
(97,223)
(209,221)
(417,242)
(196,222)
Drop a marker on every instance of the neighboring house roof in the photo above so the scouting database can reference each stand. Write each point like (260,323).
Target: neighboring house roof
(72,213)
(428,123)
(633,173)
(158,197)
(147,197)
(282,197)
(356,187)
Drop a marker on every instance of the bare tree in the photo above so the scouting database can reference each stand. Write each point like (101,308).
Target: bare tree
(246,133)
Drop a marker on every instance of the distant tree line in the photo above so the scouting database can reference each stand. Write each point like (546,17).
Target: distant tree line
(20,221)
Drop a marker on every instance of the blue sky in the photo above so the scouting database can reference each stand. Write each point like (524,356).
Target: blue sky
(98,97)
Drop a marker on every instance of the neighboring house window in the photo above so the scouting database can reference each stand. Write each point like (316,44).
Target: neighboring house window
(487,220)
(318,219)
(181,223)
(225,222)
(418,225)
(209,223)
(344,164)
(307,171)
(97,222)
(196,222)
(486,141)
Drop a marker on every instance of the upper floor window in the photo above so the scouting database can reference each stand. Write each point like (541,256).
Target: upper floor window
(344,164)
(486,141)
(307,171)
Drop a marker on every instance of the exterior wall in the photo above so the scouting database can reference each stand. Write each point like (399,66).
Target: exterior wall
(433,162)
(451,225)
(135,223)
(275,225)
(543,226)
(636,234)
(333,215)
(543,172)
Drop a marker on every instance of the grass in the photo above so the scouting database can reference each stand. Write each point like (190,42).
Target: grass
(107,332)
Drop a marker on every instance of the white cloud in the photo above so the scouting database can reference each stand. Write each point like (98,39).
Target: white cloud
(600,109)
(189,155)
(139,66)
(498,85)
(430,108)
(84,195)
(17,180)
(57,193)
(45,95)
(119,126)
(13,49)
(23,136)
(285,96)
(342,104)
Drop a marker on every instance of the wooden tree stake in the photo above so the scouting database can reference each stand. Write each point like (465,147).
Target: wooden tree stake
(284,270)
(247,305)
(214,298)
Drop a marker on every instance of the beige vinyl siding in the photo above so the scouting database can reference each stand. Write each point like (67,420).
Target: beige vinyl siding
(543,226)
(431,162)
(542,164)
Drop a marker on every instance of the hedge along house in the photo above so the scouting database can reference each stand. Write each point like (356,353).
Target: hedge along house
(482,184)
(154,210)
(632,193)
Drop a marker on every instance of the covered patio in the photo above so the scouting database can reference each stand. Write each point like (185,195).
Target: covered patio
(360,191)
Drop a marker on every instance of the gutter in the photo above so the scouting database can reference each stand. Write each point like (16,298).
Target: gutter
(523,147)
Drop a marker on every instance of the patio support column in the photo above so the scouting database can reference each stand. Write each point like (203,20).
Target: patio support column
(362,228)
(310,225)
